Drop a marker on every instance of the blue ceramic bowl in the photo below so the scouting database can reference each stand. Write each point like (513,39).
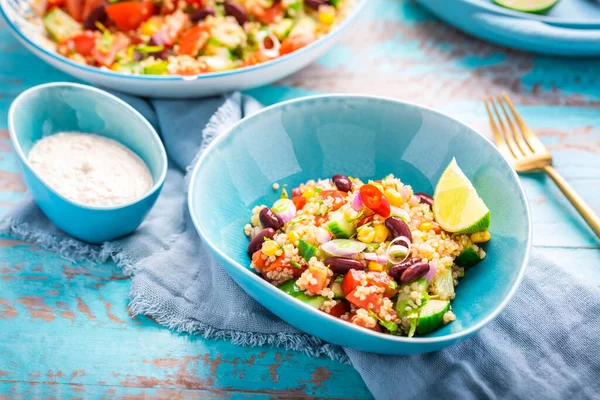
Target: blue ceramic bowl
(367,137)
(47,109)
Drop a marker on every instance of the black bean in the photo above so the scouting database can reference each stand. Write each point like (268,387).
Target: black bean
(314,3)
(201,14)
(342,183)
(397,270)
(98,14)
(256,243)
(236,11)
(425,198)
(341,265)
(398,228)
(415,271)
(269,220)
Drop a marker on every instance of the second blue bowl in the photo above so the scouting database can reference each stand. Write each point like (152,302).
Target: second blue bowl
(58,107)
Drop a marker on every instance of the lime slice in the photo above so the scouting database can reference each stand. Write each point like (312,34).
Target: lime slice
(530,6)
(456,205)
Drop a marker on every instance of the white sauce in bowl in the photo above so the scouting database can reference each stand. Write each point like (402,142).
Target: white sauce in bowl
(90,169)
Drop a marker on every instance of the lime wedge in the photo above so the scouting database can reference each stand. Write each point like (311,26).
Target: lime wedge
(457,207)
(530,6)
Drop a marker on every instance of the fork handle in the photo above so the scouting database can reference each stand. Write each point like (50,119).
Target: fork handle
(582,207)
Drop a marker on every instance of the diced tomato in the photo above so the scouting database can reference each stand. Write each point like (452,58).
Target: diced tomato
(296,192)
(321,219)
(383,280)
(293,43)
(268,15)
(351,281)
(375,200)
(107,58)
(436,228)
(258,261)
(279,262)
(174,26)
(54,3)
(195,3)
(335,194)
(193,40)
(371,301)
(74,8)
(128,15)
(89,6)
(365,220)
(354,319)
(83,43)
(299,202)
(321,275)
(339,309)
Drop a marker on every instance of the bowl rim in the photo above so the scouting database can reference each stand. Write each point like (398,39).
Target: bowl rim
(17,145)
(360,4)
(278,293)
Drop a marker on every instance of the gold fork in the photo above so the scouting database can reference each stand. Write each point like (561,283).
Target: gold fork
(522,148)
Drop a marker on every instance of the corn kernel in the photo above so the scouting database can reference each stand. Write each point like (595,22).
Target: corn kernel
(309,193)
(394,197)
(481,237)
(366,234)
(375,266)
(293,237)
(150,27)
(381,233)
(270,248)
(426,227)
(326,17)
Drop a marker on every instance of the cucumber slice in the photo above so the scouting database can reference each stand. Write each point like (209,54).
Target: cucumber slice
(467,258)
(339,227)
(336,288)
(306,250)
(443,284)
(291,288)
(402,301)
(431,316)
(313,301)
(283,28)
(157,68)
(60,25)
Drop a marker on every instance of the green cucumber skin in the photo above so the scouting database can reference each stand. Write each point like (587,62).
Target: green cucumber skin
(60,25)
(291,288)
(307,251)
(467,258)
(337,231)
(430,323)
(337,290)
(313,301)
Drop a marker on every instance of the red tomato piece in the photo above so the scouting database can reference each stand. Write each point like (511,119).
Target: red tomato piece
(258,261)
(321,275)
(54,3)
(339,309)
(354,319)
(351,281)
(299,202)
(83,43)
(370,302)
(321,219)
(174,26)
(383,280)
(193,40)
(335,194)
(365,220)
(293,43)
(128,15)
(375,200)
(195,3)
(268,15)
(74,8)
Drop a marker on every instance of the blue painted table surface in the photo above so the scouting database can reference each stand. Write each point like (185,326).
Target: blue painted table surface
(65,330)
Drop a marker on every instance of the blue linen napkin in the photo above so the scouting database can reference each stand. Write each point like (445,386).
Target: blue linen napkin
(545,344)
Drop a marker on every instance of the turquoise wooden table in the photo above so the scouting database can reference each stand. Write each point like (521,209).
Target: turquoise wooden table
(65,330)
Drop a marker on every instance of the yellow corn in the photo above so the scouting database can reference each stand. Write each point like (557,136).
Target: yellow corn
(375,266)
(366,234)
(270,247)
(394,197)
(293,237)
(308,193)
(381,233)
(150,27)
(426,227)
(326,17)
(481,237)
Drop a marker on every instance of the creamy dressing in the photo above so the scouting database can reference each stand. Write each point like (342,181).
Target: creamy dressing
(90,169)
